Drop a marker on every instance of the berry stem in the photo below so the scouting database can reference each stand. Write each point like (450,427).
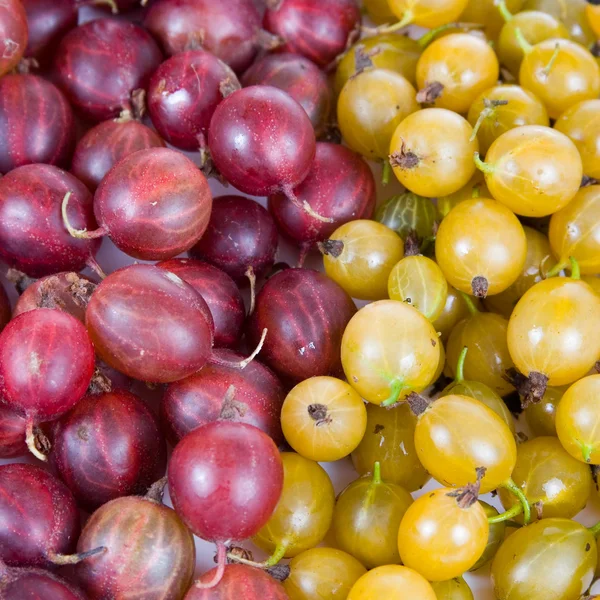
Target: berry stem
(469,302)
(426,39)
(484,167)
(277,555)
(221,562)
(30,441)
(395,389)
(244,363)
(515,511)
(523,43)
(377,473)
(252,279)
(78,233)
(303,205)
(73,559)
(556,269)
(595,530)
(503,9)
(460,365)
(575,271)
(406,20)
(546,70)
(490,107)
(385,172)
(514,489)
(156,491)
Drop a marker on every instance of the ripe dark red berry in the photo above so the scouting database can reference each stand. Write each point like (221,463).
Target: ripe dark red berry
(39,520)
(108,446)
(300,78)
(13,34)
(5,310)
(36,123)
(183,94)
(262,141)
(12,433)
(89,58)
(253,395)
(105,145)
(317,29)
(149,324)
(230,29)
(239,581)
(35,584)
(154,204)
(220,293)
(33,237)
(306,314)
(339,185)
(225,480)
(48,21)
(241,235)
(149,551)
(46,365)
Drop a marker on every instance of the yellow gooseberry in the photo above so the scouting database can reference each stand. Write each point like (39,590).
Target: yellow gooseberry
(487,14)
(455,310)
(392,582)
(475,188)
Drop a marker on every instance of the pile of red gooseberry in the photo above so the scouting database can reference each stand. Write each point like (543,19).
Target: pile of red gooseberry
(216,366)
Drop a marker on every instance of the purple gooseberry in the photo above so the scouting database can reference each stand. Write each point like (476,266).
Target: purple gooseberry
(262,142)
(219,291)
(33,237)
(318,29)
(306,314)
(154,204)
(339,185)
(48,21)
(225,479)
(34,584)
(36,123)
(13,34)
(183,94)
(101,63)
(239,581)
(108,446)
(230,29)
(105,145)
(12,433)
(253,396)
(241,239)
(46,365)
(149,553)
(5,310)
(300,78)
(39,520)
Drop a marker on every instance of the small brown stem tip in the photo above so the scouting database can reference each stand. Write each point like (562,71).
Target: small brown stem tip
(479,286)
(418,404)
(319,413)
(430,93)
(333,248)
(468,495)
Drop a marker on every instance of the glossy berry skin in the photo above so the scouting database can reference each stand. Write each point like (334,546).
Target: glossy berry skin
(440,539)
(13,33)
(548,474)
(35,584)
(154,204)
(12,433)
(452,589)
(33,238)
(227,29)
(108,446)
(239,581)
(88,58)
(390,440)
(305,314)
(219,291)
(300,78)
(392,582)
(149,324)
(36,123)
(46,363)
(103,146)
(303,514)
(38,517)
(225,480)
(322,571)
(486,13)
(339,186)
(149,551)
(206,396)
(261,140)
(405,213)
(183,94)
(47,22)
(319,30)
(241,234)
(554,330)
(571,14)
(552,558)
(541,416)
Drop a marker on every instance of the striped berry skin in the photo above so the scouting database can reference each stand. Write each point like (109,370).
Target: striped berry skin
(305,313)
(256,398)
(220,293)
(12,433)
(33,238)
(183,94)
(36,123)
(38,516)
(339,185)
(108,446)
(13,34)
(103,146)
(149,554)
(317,29)
(90,55)
(35,584)
(240,581)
